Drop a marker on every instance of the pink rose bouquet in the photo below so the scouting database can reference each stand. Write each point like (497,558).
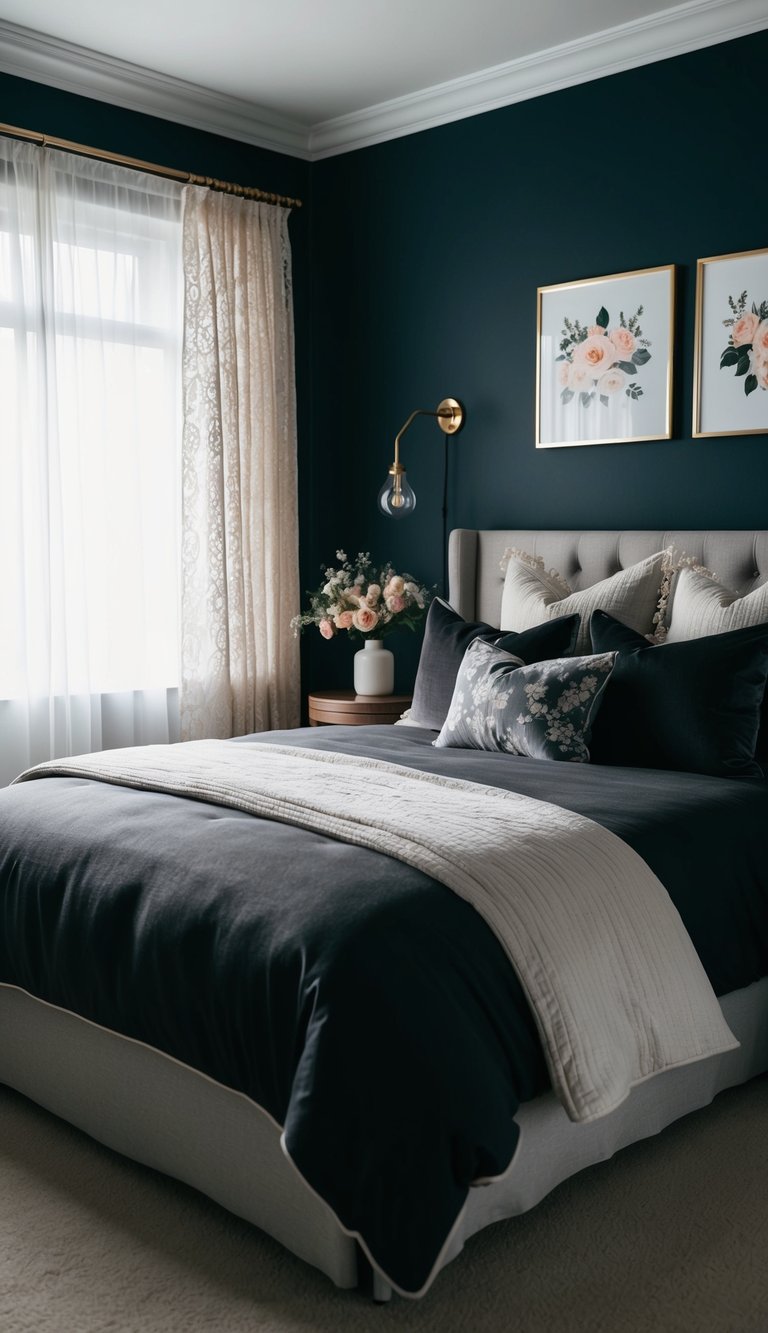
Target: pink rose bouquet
(747,350)
(365,600)
(600,360)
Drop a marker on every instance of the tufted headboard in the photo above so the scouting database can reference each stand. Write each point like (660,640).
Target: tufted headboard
(475,580)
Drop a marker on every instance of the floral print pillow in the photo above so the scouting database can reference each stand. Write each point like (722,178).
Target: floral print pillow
(544,711)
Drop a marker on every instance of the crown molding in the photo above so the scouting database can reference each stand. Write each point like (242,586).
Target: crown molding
(670,32)
(75,69)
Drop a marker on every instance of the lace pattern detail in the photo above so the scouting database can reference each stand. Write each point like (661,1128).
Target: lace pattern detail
(240,666)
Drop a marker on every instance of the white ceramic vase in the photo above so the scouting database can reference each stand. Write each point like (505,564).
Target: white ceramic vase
(374,669)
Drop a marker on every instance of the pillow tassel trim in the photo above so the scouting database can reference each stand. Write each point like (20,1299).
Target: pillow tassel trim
(534,562)
(673,561)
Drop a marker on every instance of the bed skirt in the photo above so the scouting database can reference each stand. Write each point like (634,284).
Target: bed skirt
(162,1113)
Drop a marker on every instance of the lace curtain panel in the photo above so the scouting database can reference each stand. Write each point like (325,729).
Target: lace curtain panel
(240,581)
(90,352)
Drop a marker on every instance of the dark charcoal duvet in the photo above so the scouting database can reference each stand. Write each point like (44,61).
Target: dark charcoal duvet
(368,1009)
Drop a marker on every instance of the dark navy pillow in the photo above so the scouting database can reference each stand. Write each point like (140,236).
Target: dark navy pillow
(446,638)
(692,706)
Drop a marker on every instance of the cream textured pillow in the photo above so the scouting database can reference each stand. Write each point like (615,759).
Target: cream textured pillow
(701,606)
(533,594)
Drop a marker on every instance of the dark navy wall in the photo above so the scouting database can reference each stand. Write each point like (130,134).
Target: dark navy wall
(427,252)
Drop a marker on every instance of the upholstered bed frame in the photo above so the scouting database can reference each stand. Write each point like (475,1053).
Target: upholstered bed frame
(162,1113)
(739,558)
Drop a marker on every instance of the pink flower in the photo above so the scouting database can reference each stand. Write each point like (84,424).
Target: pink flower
(579,378)
(326,629)
(760,341)
(596,330)
(563,372)
(744,329)
(624,342)
(396,604)
(373,594)
(343,619)
(596,352)
(395,586)
(760,369)
(364,619)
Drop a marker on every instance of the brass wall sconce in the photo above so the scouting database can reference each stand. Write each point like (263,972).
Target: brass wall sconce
(396,497)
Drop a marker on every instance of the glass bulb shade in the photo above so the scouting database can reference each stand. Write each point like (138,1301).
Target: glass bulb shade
(396,497)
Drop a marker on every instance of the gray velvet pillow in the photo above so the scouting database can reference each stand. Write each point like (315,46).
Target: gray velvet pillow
(544,711)
(446,638)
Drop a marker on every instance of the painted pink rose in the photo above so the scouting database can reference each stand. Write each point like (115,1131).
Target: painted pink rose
(760,342)
(760,369)
(396,604)
(580,378)
(563,373)
(744,329)
(595,353)
(326,629)
(596,330)
(364,619)
(613,381)
(343,620)
(624,342)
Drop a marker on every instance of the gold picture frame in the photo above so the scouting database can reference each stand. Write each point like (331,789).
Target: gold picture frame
(604,359)
(731,336)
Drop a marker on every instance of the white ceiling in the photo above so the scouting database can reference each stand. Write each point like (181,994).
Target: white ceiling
(297,65)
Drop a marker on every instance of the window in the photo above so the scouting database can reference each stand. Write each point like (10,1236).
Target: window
(90,353)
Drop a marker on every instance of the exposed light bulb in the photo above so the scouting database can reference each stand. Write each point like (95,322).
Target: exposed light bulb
(396,497)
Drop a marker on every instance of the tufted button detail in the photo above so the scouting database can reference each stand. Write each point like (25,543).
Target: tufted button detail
(756,574)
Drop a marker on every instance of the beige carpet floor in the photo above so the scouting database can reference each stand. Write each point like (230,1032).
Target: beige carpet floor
(671,1236)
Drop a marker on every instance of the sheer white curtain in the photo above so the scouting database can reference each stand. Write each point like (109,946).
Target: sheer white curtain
(90,351)
(240,580)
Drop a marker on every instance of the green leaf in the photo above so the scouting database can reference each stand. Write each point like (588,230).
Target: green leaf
(602,317)
(742,366)
(750,384)
(641,356)
(566,396)
(585,399)
(729,358)
(628,367)
(561,358)
(754,308)
(604,399)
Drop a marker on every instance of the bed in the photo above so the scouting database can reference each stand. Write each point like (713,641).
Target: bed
(90,1031)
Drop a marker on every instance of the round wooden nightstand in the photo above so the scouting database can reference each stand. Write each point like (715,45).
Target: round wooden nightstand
(355,710)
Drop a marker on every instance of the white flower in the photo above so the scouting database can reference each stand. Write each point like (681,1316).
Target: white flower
(341,556)
(613,381)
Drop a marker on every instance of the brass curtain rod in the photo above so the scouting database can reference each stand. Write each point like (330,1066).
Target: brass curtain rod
(186,177)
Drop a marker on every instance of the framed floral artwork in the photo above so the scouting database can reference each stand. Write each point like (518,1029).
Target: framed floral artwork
(730,377)
(604,359)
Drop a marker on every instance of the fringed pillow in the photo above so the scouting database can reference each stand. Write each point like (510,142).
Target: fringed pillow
(533,594)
